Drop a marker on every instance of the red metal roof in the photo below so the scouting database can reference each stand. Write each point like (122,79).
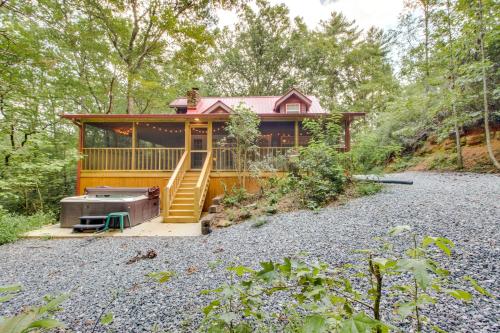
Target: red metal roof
(259,104)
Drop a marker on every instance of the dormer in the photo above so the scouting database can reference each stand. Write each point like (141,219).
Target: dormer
(293,102)
(218,107)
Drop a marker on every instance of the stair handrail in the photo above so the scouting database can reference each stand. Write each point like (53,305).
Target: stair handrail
(174,182)
(201,185)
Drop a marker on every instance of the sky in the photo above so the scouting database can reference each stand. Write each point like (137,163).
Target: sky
(379,13)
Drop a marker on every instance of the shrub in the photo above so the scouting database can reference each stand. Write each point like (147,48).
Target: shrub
(317,174)
(312,297)
(12,225)
(368,188)
(368,155)
(235,196)
(32,319)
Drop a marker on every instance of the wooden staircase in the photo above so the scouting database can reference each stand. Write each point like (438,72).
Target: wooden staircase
(182,208)
(186,190)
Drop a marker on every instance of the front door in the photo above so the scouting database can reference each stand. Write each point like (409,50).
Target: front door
(198,146)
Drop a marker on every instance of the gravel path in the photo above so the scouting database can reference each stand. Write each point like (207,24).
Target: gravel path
(462,207)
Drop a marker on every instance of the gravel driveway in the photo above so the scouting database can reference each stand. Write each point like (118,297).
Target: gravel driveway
(462,207)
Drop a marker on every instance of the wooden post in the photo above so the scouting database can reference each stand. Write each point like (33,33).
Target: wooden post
(296,142)
(134,144)
(81,137)
(347,134)
(209,136)
(187,141)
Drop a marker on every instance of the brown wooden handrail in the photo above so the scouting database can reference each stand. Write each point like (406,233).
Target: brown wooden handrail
(174,182)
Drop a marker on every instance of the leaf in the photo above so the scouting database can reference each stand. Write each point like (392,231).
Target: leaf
(228,317)
(359,323)
(6,298)
(47,323)
(405,309)
(314,324)
(438,329)
(107,318)
(213,305)
(240,270)
(477,287)
(444,244)
(243,328)
(419,268)
(14,288)
(399,229)
(161,277)
(460,294)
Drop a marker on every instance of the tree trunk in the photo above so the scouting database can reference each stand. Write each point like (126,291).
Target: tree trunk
(130,98)
(485,89)
(460,162)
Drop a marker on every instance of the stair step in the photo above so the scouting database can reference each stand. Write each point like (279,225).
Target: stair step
(185,194)
(181,200)
(181,212)
(186,188)
(180,219)
(182,206)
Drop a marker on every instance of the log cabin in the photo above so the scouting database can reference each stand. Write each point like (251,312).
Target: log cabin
(180,151)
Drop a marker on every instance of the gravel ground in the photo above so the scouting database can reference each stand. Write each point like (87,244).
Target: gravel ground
(462,207)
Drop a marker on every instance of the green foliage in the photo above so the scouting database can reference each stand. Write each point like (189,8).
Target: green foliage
(317,174)
(161,277)
(259,223)
(32,319)
(312,297)
(234,197)
(12,226)
(107,319)
(368,155)
(368,188)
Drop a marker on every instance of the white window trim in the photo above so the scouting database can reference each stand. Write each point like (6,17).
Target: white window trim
(294,104)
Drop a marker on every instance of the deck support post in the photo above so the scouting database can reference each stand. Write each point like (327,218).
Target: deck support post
(187,141)
(134,144)
(81,140)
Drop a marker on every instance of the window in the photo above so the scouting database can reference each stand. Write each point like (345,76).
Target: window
(293,108)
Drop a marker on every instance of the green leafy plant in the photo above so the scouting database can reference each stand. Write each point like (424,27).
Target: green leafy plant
(32,319)
(12,226)
(368,188)
(259,223)
(312,297)
(235,196)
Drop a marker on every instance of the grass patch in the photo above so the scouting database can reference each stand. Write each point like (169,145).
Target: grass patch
(368,188)
(12,226)
(259,223)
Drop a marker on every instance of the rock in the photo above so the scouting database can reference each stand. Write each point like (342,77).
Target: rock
(215,209)
(217,200)
(224,223)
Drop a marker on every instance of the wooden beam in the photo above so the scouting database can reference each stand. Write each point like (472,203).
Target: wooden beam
(134,143)
(81,140)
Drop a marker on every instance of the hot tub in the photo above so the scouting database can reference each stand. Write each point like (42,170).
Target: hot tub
(142,204)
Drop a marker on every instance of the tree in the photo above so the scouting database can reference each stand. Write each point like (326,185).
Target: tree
(243,133)
(256,57)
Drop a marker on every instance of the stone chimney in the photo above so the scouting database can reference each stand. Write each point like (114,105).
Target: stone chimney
(193,98)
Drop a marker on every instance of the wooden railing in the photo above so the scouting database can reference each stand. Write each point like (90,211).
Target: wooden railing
(141,159)
(174,182)
(275,157)
(201,188)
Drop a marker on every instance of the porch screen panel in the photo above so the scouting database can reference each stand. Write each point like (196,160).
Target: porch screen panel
(304,135)
(277,134)
(223,152)
(159,145)
(107,146)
